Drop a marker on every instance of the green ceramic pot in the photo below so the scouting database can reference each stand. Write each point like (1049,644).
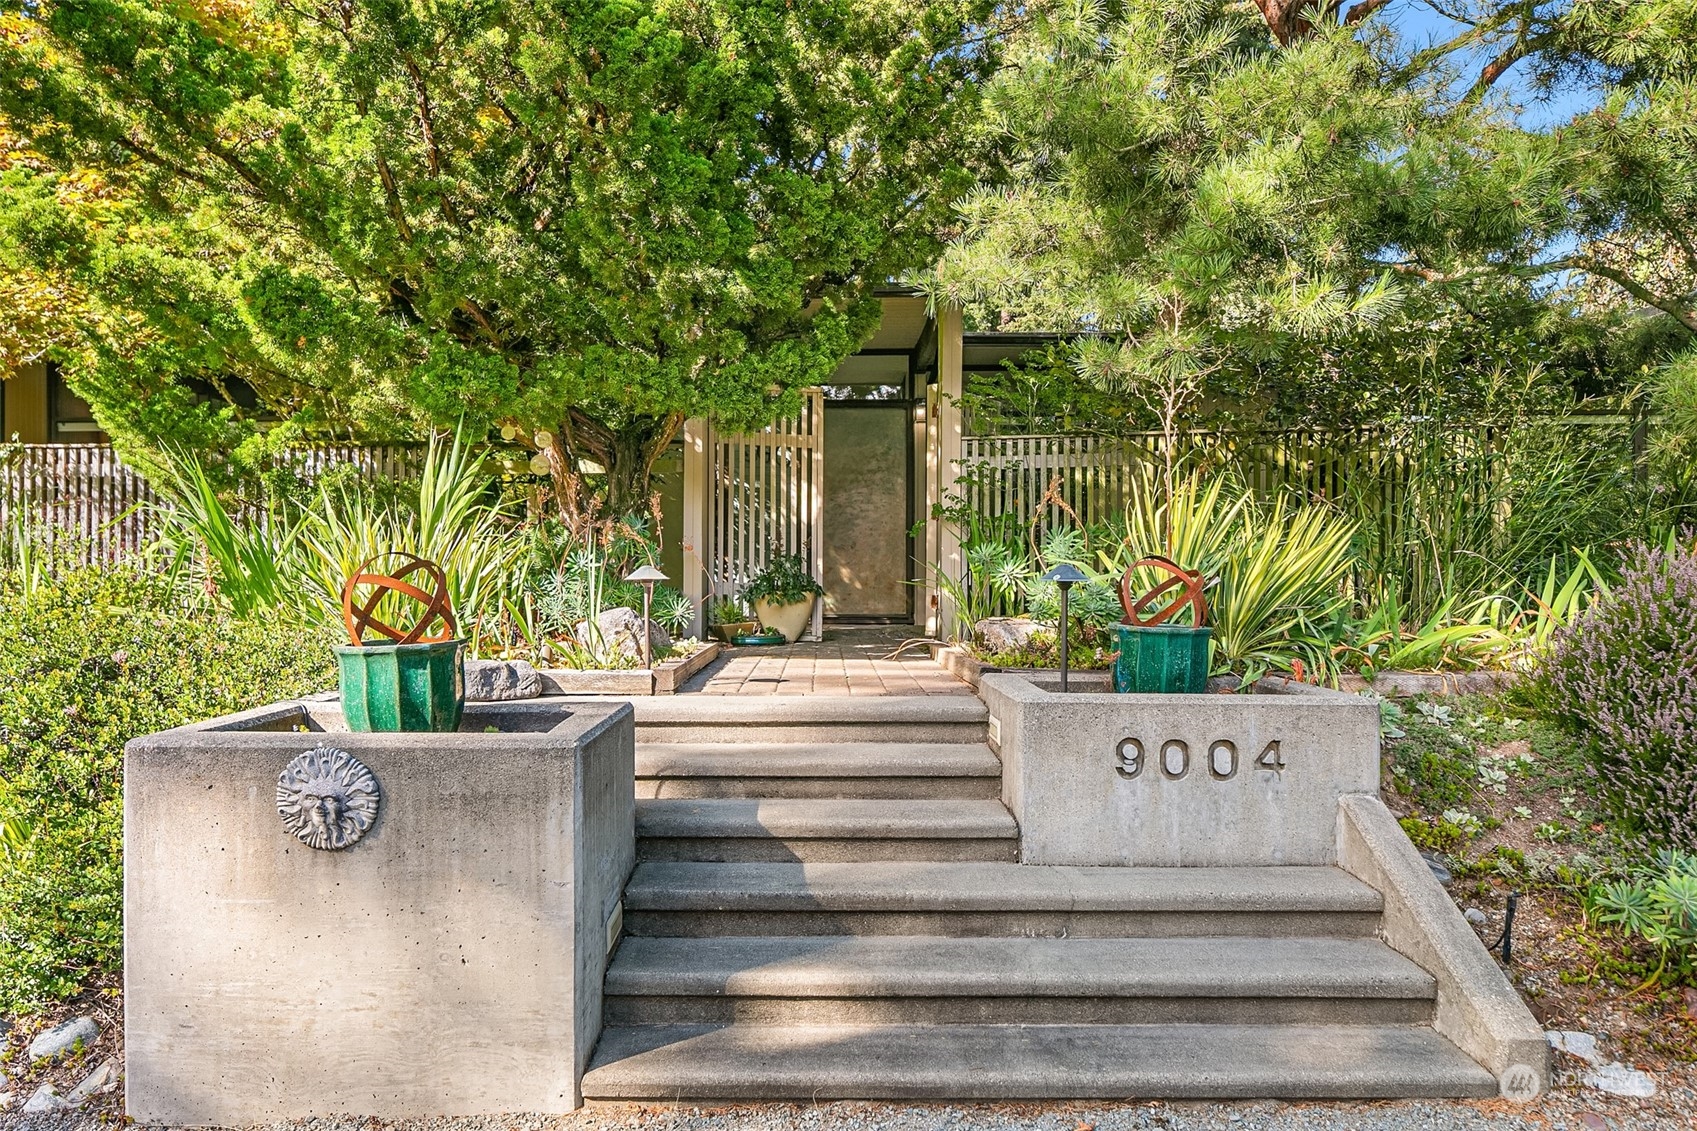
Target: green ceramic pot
(1165,659)
(390,687)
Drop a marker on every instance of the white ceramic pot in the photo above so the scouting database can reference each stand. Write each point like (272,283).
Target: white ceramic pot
(791,620)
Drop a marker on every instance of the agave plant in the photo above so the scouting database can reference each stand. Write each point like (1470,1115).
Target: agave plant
(1659,905)
(992,584)
(674,611)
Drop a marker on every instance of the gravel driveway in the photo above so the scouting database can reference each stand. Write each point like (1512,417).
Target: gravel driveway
(1566,1110)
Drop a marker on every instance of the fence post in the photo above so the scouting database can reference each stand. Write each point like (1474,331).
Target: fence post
(945,466)
(697,451)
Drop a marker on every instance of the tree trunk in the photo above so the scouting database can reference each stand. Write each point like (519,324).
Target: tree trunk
(626,453)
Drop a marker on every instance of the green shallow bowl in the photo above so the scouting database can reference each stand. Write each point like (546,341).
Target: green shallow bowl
(758,638)
(403,687)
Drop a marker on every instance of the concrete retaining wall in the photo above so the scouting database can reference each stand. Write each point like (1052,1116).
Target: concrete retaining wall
(1207,780)
(448,962)
(1478,1010)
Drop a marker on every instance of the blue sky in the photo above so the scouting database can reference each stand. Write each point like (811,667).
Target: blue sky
(1419,20)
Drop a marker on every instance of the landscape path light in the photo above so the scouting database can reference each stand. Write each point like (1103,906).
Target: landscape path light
(646,576)
(1066,576)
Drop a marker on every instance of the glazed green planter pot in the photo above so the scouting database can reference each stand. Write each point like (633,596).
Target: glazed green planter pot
(393,687)
(1166,659)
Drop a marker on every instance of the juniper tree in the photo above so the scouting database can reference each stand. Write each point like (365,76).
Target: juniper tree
(588,219)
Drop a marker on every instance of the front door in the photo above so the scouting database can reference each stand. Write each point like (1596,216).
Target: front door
(867,463)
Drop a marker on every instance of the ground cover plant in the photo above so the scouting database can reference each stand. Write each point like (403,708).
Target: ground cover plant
(91,658)
(1507,801)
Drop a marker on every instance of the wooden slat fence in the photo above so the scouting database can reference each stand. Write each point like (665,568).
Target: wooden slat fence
(83,498)
(766,498)
(1366,471)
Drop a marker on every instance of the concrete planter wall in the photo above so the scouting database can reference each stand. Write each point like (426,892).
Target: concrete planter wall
(665,678)
(1169,780)
(447,961)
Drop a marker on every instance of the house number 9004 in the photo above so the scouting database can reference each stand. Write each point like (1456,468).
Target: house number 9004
(1173,759)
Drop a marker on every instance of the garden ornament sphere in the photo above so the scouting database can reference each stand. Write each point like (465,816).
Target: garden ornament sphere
(360,615)
(1189,583)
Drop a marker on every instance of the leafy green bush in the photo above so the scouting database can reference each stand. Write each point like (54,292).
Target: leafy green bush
(91,659)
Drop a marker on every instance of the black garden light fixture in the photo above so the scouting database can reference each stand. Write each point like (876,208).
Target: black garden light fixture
(646,576)
(1066,576)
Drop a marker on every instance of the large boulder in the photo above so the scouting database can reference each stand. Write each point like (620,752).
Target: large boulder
(620,631)
(495,681)
(1007,634)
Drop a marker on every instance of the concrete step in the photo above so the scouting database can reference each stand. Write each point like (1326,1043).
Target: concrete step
(811,719)
(906,980)
(994,900)
(897,770)
(991,1062)
(786,829)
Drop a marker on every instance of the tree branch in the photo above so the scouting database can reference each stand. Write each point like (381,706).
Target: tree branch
(1362,10)
(1666,304)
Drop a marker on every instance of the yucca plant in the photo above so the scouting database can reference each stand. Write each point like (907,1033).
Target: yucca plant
(1280,583)
(252,561)
(1278,567)
(1195,526)
(459,522)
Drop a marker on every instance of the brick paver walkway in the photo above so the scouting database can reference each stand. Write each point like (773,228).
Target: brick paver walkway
(849,661)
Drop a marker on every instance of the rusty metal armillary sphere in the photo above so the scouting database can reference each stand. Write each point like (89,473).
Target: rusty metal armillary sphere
(360,615)
(1189,583)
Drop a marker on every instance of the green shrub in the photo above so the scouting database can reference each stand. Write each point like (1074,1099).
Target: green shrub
(90,660)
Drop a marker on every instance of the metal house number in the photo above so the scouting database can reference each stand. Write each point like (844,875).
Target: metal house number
(1173,759)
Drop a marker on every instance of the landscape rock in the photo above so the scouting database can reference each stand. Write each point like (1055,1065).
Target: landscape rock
(100,1080)
(1437,868)
(63,1039)
(496,681)
(1475,916)
(46,1099)
(1619,1080)
(1581,1045)
(5,1100)
(1007,634)
(620,631)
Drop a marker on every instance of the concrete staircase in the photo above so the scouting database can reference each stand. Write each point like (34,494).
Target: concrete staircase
(826,905)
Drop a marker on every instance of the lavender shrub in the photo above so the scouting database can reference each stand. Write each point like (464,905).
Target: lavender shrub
(1623,678)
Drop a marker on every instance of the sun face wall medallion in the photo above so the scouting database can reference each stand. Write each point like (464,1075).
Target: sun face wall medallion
(327,798)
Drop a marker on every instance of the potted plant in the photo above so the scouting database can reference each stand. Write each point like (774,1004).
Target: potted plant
(406,679)
(782,594)
(727,619)
(1155,654)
